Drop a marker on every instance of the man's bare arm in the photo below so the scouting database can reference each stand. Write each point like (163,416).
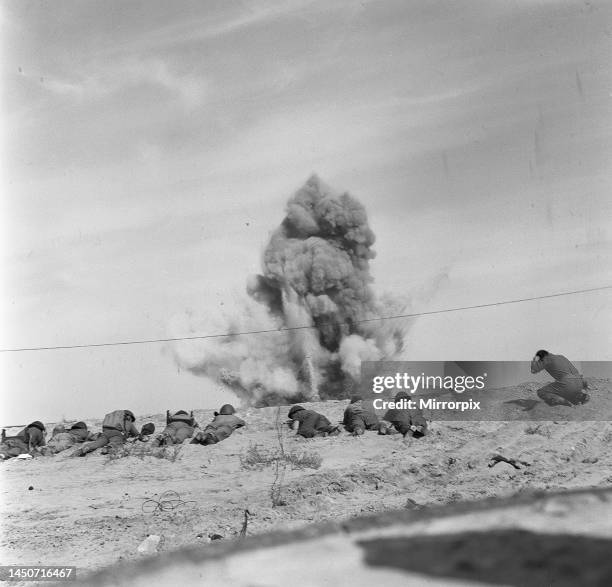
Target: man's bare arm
(536,365)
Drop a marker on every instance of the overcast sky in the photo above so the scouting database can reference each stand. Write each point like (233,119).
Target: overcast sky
(149,148)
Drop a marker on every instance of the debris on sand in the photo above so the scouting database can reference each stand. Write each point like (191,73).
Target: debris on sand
(149,545)
(516,463)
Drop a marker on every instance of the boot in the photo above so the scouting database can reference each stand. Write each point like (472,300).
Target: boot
(198,438)
(557,400)
(208,439)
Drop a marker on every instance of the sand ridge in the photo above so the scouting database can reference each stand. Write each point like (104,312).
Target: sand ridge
(89,511)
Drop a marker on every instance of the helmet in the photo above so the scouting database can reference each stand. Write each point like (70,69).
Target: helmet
(78,425)
(294,410)
(38,425)
(227,410)
(401,395)
(130,414)
(147,429)
(356,398)
(181,412)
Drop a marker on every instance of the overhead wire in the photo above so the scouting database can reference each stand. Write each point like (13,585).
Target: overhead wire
(304,327)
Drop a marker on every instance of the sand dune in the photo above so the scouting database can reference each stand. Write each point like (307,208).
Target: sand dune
(89,512)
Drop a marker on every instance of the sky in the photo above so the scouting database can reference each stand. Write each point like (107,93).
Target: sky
(148,150)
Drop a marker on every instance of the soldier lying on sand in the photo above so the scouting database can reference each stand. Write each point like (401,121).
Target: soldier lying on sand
(12,446)
(222,426)
(29,440)
(117,427)
(310,423)
(62,438)
(359,417)
(405,421)
(26,441)
(179,427)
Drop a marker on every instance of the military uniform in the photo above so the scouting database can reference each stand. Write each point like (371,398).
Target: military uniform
(311,423)
(358,418)
(222,427)
(12,446)
(63,439)
(33,435)
(568,387)
(117,427)
(179,427)
(405,421)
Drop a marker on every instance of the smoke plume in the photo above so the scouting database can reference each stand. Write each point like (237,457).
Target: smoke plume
(314,292)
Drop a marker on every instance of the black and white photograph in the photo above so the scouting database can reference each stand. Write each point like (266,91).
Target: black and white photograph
(306,292)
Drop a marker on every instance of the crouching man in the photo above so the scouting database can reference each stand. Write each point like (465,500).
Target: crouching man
(569,385)
(223,425)
(179,427)
(403,421)
(117,427)
(310,423)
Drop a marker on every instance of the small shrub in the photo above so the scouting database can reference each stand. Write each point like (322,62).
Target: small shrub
(305,460)
(169,453)
(115,454)
(258,457)
(141,451)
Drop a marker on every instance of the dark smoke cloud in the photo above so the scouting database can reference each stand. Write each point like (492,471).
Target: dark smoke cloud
(321,253)
(315,272)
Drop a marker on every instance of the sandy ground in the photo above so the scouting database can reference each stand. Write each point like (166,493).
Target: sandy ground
(528,540)
(89,511)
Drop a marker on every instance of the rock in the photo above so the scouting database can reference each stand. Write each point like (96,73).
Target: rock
(215,537)
(149,545)
(502,469)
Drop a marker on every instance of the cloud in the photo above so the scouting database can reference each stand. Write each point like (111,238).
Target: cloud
(188,88)
(255,14)
(197,28)
(77,88)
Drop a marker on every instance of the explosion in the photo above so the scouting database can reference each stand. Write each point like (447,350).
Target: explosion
(314,294)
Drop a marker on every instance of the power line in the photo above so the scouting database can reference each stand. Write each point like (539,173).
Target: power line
(286,329)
